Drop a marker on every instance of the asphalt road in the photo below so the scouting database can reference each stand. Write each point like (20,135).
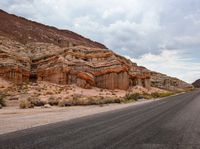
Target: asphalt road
(170,123)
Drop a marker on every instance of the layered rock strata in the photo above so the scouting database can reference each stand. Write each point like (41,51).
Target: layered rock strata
(163,81)
(31,52)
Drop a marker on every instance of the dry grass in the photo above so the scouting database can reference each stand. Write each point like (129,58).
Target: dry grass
(37,101)
(31,102)
(53,101)
(25,104)
(160,95)
(130,97)
(95,100)
(2,100)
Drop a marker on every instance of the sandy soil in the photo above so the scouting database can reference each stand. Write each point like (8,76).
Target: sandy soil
(14,119)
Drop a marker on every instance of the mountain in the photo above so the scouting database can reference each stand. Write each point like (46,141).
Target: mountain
(196,84)
(31,52)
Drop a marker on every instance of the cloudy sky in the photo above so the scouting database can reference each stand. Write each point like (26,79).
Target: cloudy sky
(163,35)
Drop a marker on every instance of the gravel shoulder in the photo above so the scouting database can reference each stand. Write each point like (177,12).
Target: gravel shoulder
(15,119)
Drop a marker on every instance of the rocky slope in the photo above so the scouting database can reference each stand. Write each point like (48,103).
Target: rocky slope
(196,84)
(31,52)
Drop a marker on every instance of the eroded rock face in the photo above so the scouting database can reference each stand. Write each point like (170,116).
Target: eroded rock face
(88,67)
(170,83)
(31,52)
(14,62)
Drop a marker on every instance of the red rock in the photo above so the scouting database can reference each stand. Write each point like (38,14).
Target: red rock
(30,52)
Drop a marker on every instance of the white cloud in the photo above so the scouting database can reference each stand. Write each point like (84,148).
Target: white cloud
(171,62)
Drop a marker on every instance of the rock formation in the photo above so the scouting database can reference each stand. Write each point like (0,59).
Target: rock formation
(31,52)
(196,84)
(169,83)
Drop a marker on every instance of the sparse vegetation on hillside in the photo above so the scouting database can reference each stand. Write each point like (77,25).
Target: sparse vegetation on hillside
(78,99)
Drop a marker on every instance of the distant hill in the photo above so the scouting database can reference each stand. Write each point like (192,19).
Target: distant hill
(196,84)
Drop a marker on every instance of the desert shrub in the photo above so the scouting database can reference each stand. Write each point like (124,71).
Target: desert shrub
(147,96)
(2,100)
(53,101)
(36,101)
(133,96)
(61,103)
(103,100)
(25,104)
(94,100)
(65,102)
(118,100)
(160,95)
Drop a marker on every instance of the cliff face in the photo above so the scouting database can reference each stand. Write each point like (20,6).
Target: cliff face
(31,52)
(196,84)
(166,82)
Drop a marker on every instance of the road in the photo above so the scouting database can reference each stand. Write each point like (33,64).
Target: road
(170,123)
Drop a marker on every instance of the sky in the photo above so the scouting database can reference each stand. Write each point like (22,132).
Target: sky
(162,35)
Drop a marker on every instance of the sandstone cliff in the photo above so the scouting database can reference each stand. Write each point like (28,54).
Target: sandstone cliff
(31,52)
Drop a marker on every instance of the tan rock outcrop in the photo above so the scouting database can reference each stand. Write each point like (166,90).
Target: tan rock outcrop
(31,52)
(165,82)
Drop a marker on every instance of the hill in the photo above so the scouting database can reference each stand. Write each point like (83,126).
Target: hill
(32,52)
(196,84)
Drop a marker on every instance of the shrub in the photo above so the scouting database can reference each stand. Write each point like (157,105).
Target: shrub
(134,96)
(65,102)
(160,95)
(36,101)
(25,104)
(2,100)
(61,103)
(147,96)
(53,101)
(94,100)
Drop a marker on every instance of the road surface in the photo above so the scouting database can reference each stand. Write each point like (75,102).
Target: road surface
(170,123)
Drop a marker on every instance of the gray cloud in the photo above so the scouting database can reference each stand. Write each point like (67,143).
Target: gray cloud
(128,27)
